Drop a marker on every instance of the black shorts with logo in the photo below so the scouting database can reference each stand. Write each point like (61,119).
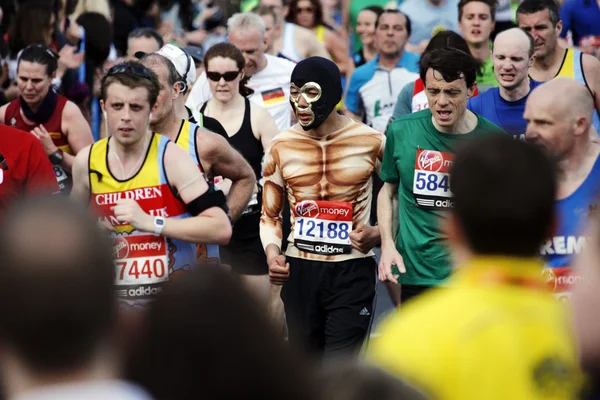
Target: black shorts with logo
(329,305)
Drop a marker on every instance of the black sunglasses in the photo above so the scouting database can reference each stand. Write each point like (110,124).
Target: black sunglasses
(228,76)
(136,70)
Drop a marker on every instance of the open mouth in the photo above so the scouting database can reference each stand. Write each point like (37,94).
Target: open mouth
(126,131)
(444,115)
(475,32)
(304,117)
(508,77)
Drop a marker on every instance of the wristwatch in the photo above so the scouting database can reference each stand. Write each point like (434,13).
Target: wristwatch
(159,224)
(57,157)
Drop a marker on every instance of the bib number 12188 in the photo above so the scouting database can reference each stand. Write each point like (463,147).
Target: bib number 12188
(323,227)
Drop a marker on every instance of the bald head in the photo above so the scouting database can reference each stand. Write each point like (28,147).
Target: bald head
(559,115)
(564,96)
(515,38)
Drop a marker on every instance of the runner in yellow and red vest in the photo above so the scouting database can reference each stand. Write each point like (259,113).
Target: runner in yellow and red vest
(146,190)
(54,120)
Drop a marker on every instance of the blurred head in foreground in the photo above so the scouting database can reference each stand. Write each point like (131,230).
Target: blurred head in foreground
(57,300)
(206,338)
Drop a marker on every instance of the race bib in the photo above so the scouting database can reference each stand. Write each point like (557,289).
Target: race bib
(323,227)
(431,185)
(142,266)
(60,173)
(561,281)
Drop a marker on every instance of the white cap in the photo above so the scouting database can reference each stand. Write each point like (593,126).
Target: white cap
(182,61)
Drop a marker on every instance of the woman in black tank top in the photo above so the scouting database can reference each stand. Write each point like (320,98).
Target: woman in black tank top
(224,65)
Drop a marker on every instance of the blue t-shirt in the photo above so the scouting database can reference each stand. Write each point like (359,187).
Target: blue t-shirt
(374,90)
(574,214)
(508,115)
(425,18)
(581,17)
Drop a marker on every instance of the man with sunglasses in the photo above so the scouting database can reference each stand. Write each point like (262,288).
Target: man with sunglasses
(146,189)
(324,165)
(212,153)
(269,75)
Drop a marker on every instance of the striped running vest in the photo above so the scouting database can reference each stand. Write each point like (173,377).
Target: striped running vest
(144,261)
(572,67)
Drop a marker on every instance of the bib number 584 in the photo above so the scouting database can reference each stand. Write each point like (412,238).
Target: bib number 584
(432,182)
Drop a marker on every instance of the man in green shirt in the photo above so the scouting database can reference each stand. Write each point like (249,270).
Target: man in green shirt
(416,165)
(476,21)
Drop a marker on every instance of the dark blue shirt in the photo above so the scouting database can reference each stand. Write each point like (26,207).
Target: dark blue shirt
(508,115)
(581,17)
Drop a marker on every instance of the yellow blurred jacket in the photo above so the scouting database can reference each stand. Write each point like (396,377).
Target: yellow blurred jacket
(495,332)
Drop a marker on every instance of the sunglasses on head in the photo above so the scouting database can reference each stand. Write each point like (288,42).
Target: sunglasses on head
(228,76)
(136,70)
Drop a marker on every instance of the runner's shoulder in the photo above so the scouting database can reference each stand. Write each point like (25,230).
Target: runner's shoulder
(485,126)
(411,120)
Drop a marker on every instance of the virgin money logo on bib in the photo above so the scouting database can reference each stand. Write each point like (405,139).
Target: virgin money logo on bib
(307,208)
(121,248)
(429,160)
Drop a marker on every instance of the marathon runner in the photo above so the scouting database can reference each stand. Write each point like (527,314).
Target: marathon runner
(415,171)
(250,129)
(504,105)
(148,190)
(211,152)
(562,126)
(541,19)
(324,165)
(57,122)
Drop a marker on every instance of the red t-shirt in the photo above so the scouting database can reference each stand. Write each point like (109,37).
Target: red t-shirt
(26,170)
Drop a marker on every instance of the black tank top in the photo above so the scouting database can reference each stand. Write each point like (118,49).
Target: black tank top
(245,142)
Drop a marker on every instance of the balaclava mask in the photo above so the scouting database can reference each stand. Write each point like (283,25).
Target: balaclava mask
(318,81)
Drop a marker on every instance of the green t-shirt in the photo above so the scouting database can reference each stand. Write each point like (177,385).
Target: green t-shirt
(486,79)
(423,191)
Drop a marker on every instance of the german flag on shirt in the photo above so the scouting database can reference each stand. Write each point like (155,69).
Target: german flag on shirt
(273,96)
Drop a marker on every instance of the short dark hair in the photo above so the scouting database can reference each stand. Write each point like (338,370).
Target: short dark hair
(39,54)
(374,9)
(147,33)
(394,11)
(57,303)
(132,80)
(452,64)
(233,338)
(534,6)
(504,192)
(492,4)
(445,40)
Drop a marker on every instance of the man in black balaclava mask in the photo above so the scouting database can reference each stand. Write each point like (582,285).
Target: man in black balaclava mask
(318,81)
(324,166)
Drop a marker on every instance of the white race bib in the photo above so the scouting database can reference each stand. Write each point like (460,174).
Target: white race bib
(323,227)
(431,185)
(141,264)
